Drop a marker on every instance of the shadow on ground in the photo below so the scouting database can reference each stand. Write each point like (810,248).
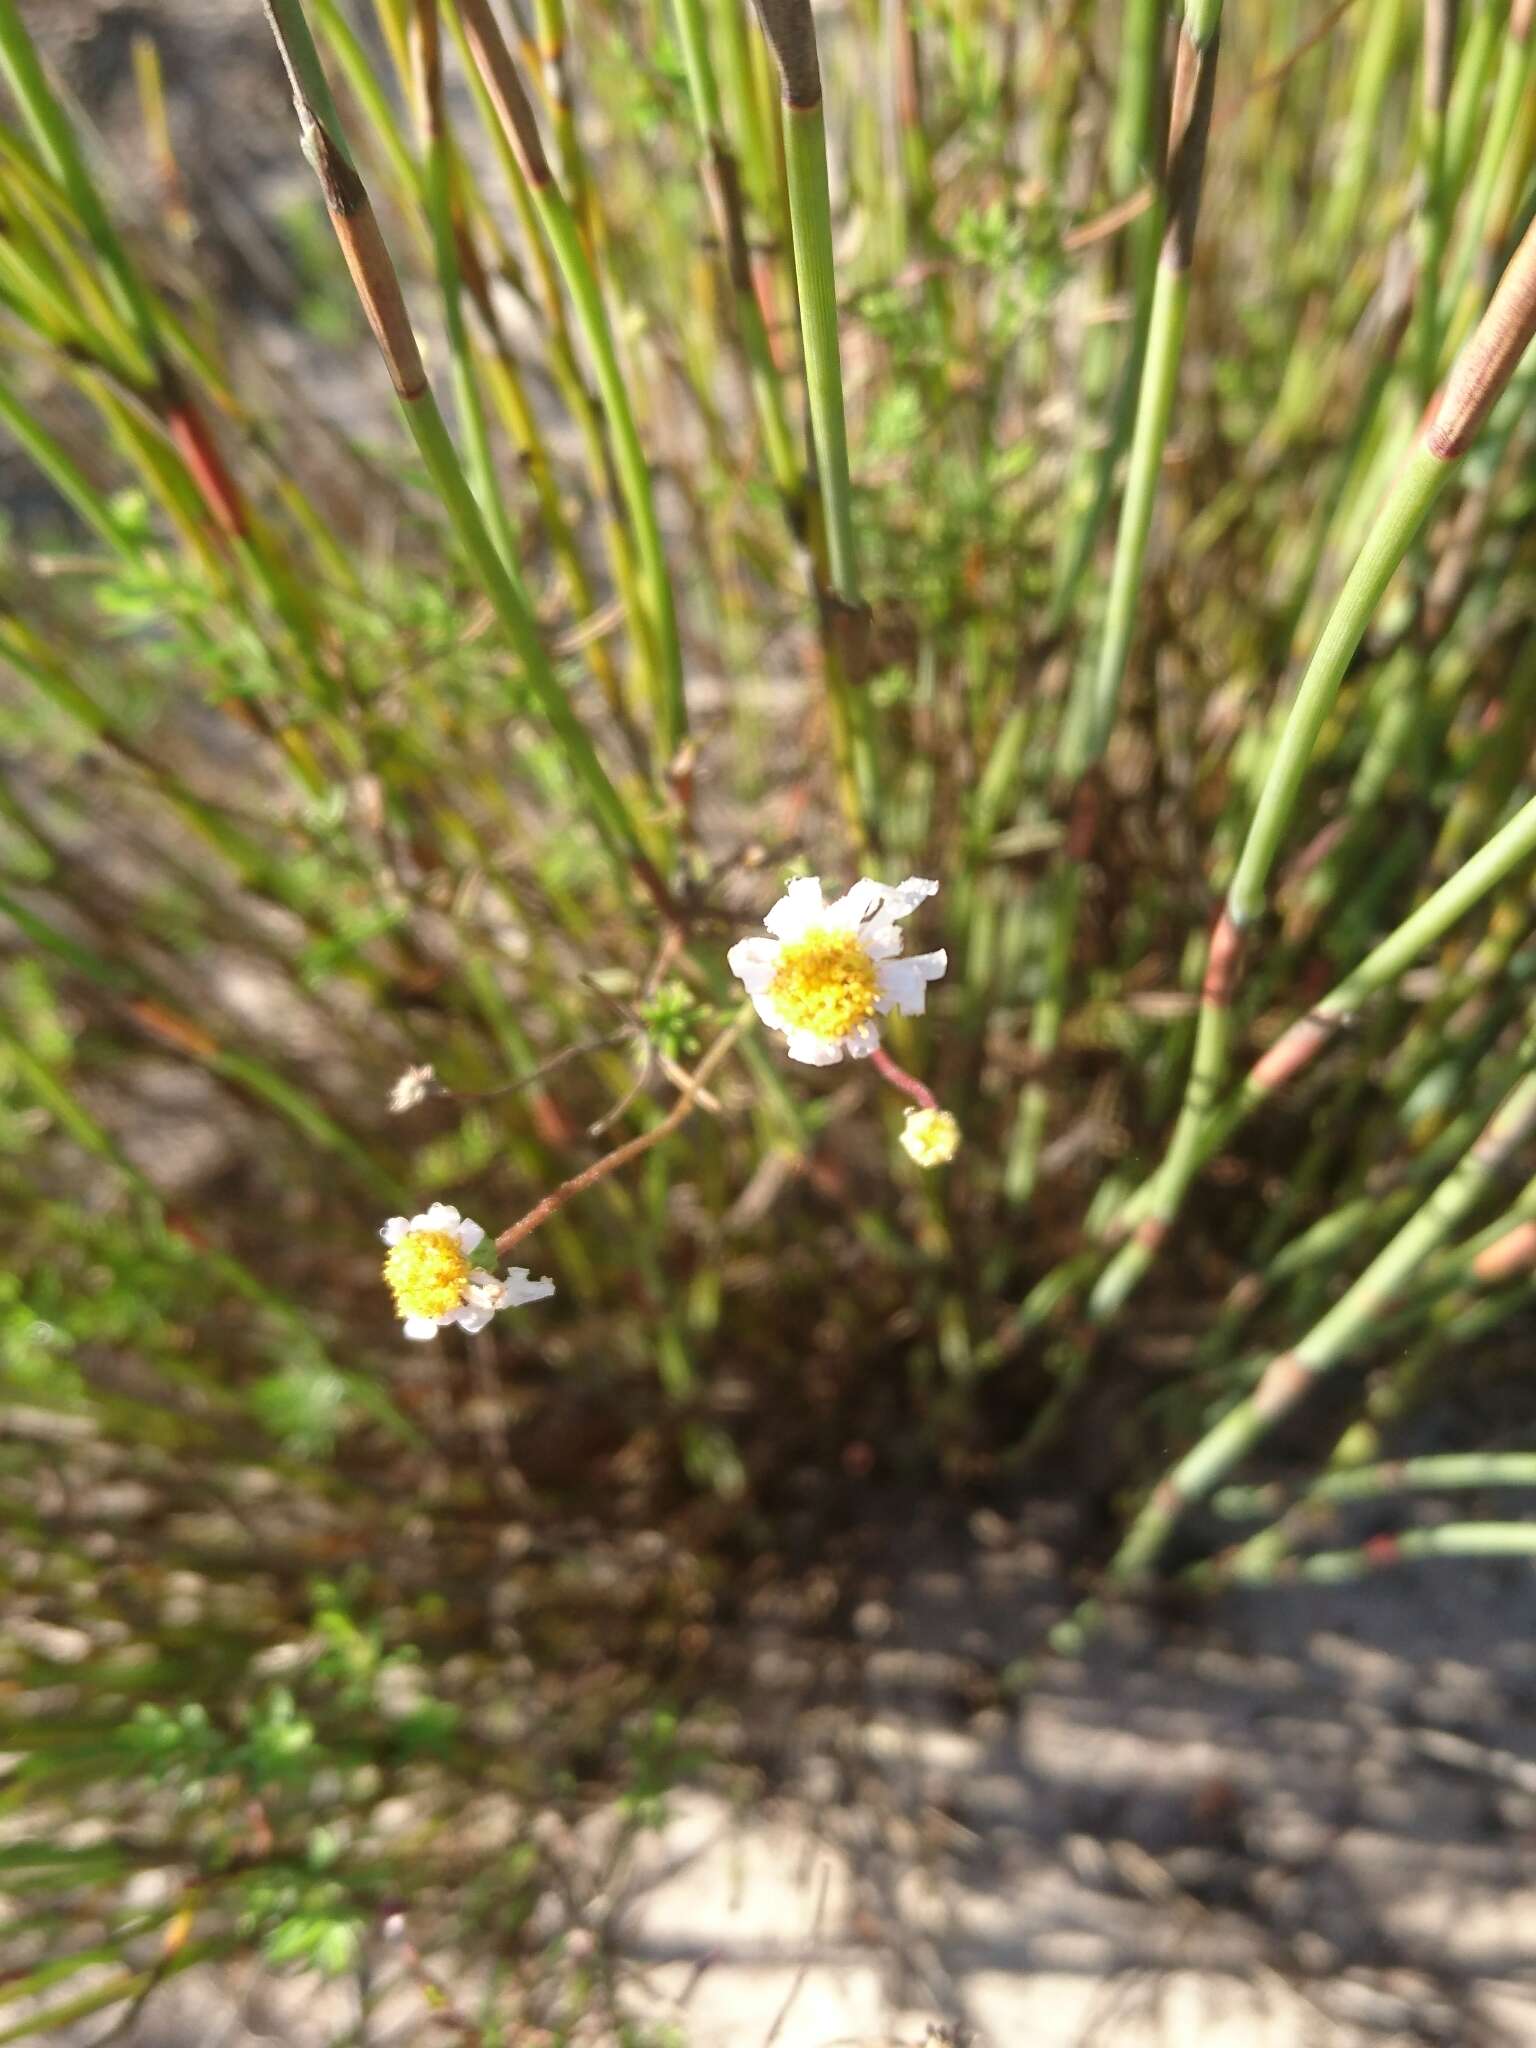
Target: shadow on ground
(1306,1816)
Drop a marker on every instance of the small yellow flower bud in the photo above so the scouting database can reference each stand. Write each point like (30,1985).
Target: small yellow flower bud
(930,1136)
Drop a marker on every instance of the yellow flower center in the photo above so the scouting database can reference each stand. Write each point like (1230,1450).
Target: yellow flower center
(825,983)
(426,1272)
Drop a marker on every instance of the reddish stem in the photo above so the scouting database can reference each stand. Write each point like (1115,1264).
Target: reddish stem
(898,1077)
(198,449)
(600,1169)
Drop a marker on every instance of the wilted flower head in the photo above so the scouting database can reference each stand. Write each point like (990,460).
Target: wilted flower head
(930,1136)
(429,1274)
(830,969)
(413,1087)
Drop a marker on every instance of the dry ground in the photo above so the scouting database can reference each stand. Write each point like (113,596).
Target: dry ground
(1305,1817)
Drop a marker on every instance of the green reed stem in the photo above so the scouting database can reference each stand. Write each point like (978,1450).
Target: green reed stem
(1510,847)
(1130,166)
(1517,60)
(1194,87)
(1449,1472)
(437,186)
(555,65)
(373,100)
(791,35)
(379,290)
(1360,152)
(1419,482)
(751,129)
(1467,114)
(1095,701)
(723,183)
(502,374)
(1433,222)
(1410,1546)
(805,160)
(790,32)
(1482,370)
(504,88)
(1344,1330)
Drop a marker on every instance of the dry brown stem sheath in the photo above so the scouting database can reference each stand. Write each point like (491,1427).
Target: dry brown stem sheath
(427,65)
(1189,128)
(373,275)
(505,86)
(1285,1380)
(1439,51)
(1514,1252)
(1223,962)
(357,230)
(1490,357)
(791,32)
(730,215)
(1298,1044)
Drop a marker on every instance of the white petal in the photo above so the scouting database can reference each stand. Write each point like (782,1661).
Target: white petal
(394,1229)
(859,905)
(903,983)
(519,1289)
(862,1040)
(754,962)
(768,1010)
(420,1328)
(881,938)
(797,910)
(472,1319)
(871,898)
(423,1221)
(469,1234)
(443,1216)
(907,895)
(901,988)
(812,1051)
(872,909)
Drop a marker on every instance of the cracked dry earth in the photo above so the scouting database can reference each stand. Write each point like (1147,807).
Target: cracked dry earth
(1306,1817)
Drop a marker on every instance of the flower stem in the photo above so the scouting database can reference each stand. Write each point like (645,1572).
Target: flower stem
(687,1101)
(899,1078)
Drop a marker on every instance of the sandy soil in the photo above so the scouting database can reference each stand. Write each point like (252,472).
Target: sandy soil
(1307,1817)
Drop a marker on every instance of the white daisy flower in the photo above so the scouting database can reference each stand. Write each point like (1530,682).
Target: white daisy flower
(429,1274)
(830,969)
